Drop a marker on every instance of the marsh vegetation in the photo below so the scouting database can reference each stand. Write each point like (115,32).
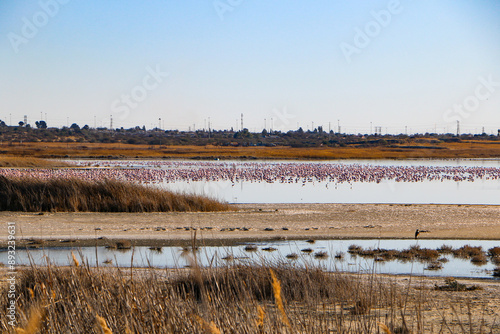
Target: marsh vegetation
(75,195)
(244,298)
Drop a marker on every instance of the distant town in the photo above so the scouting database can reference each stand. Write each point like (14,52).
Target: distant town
(318,137)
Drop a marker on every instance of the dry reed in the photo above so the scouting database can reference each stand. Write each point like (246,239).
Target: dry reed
(384,328)
(75,260)
(261,313)
(35,195)
(102,325)
(229,299)
(209,327)
(36,317)
(23,162)
(278,299)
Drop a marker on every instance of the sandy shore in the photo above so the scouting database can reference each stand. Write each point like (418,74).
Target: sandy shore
(260,221)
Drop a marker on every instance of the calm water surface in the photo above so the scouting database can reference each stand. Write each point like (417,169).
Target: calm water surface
(173,257)
(310,190)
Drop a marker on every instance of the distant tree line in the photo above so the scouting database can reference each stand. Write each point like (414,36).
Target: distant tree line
(140,136)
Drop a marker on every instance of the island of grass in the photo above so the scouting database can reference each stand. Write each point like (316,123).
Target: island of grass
(74,195)
(30,162)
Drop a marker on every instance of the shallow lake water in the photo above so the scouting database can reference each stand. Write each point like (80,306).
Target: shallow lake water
(175,257)
(426,192)
(416,181)
(340,181)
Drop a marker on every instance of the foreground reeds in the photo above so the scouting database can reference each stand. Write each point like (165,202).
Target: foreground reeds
(243,298)
(234,299)
(73,195)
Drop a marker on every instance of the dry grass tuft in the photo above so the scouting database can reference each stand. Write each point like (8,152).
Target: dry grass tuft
(74,195)
(102,325)
(494,251)
(451,284)
(445,249)
(23,162)
(75,260)
(37,314)
(123,244)
(321,255)
(362,306)
(354,249)
(261,313)
(468,251)
(479,259)
(436,265)
(32,293)
(384,328)
(251,248)
(208,327)
(278,299)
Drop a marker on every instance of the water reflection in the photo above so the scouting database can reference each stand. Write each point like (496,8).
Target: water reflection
(329,254)
(388,191)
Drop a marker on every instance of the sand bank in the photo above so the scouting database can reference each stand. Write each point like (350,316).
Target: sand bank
(261,222)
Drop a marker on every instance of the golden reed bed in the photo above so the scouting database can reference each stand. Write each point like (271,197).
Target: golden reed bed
(250,298)
(464,149)
(75,195)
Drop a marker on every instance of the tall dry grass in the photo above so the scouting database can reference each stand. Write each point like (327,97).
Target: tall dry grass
(91,300)
(24,162)
(35,195)
(245,298)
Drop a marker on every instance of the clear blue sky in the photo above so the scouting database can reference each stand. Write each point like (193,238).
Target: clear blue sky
(427,65)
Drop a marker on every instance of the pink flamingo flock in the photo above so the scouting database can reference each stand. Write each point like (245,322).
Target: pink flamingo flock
(283,172)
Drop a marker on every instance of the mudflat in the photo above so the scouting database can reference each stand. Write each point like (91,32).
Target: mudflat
(260,222)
